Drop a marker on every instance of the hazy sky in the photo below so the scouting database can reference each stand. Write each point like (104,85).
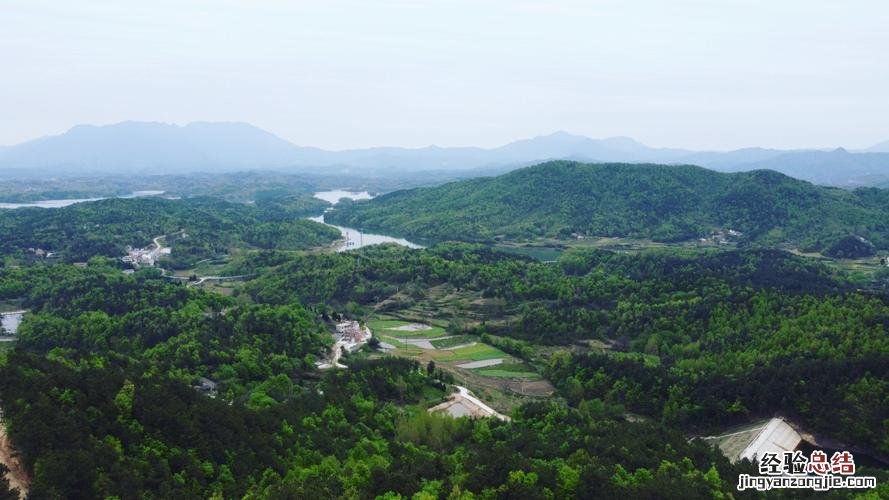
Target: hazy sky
(714,74)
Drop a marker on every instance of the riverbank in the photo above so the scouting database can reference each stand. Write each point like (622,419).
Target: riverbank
(353,239)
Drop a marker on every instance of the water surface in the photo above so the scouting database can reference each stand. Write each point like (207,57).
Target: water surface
(353,238)
(65,203)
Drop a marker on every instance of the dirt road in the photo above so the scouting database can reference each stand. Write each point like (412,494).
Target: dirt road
(17,476)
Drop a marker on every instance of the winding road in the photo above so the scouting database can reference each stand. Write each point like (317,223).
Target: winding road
(157,249)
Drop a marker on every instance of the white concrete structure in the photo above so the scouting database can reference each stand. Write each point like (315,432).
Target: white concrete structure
(776,437)
(10,321)
(755,440)
(464,404)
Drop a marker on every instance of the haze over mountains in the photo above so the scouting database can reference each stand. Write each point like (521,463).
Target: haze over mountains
(146,148)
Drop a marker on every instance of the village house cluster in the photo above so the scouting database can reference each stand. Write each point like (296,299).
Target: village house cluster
(348,337)
(722,237)
(351,333)
(145,256)
(41,253)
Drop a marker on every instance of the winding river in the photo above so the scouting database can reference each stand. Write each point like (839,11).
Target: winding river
(353,238)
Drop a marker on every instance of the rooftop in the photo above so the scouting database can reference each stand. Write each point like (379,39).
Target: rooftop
(753,440)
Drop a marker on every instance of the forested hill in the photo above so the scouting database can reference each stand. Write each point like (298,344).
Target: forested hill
(665,203)
(198,228)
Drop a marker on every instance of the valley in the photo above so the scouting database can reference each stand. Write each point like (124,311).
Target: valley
(454,250)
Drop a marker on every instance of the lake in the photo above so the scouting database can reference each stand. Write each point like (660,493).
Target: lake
(65,203)
(337,194)
(352,237)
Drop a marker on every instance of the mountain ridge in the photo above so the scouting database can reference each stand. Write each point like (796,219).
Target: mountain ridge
(133,147)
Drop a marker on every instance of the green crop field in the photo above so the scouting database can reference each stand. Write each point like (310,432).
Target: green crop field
(495,372)
(509,370)
(454,340)
(475,352)
(388,326)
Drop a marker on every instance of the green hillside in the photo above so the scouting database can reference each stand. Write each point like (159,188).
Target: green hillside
(199,228)
(664,203)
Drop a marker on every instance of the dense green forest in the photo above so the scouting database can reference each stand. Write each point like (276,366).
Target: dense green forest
(663,203)
(721,337)
(203,227)
(96,397)
(102,395)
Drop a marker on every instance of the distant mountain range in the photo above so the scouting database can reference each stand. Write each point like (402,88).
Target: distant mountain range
(145,148)
(882,147)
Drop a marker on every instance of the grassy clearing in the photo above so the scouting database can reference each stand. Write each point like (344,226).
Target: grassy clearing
(509,370)
(516,367)
(383,324)
(475,352)
(453,340)
(402,349)
(497,372)
(431,393)
(388,326)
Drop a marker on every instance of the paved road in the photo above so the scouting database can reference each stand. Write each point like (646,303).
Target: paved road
(219,278)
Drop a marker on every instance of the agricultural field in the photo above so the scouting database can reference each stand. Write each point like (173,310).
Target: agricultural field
(502,379)
(475,352)
(453,341)
(406,329)
(516,370)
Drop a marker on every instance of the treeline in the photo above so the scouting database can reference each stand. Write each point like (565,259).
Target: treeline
(568,296)
(199,228)
(664,203)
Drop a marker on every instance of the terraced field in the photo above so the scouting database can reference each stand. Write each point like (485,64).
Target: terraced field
(454,341)
(510,370)
(475,352)
(505,379)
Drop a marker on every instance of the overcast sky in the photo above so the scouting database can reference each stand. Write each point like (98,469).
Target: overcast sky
(715,74)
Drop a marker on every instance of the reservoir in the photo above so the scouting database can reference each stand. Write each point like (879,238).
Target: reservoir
(333,197)
(65,203)
(354,238)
